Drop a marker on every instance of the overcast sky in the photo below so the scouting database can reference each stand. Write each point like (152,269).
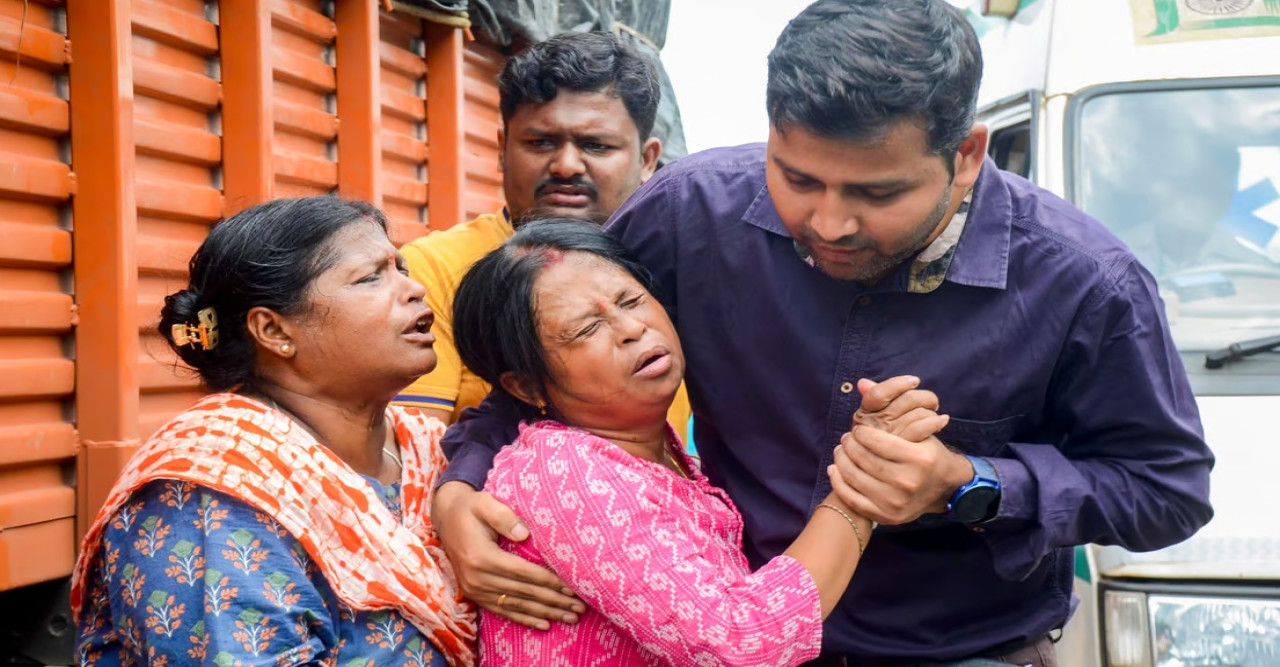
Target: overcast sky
(715,54)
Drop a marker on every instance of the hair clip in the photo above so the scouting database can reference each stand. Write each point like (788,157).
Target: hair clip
(205,334)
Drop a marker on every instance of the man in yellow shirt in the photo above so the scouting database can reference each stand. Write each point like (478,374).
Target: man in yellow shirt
(577,111)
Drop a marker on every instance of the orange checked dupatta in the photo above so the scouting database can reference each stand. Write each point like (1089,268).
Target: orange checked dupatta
(239,446)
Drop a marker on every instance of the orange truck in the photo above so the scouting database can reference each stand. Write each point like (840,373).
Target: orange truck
(127,127)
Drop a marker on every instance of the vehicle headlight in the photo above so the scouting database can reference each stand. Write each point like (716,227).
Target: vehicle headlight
(1188,631)
(1127,630)
(1201,631)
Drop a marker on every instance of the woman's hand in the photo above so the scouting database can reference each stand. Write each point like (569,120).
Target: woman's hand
(469,523)
(898,407)
(893,466)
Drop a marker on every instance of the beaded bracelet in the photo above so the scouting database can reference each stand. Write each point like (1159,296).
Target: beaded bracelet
(862,542)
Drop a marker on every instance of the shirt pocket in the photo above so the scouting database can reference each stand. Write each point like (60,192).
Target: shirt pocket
(980,438)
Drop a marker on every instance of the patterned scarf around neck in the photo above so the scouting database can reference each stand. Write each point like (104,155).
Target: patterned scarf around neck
(241,447)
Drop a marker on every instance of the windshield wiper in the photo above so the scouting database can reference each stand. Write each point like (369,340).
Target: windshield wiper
(1238,351)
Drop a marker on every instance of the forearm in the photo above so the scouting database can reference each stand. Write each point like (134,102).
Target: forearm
(1049,501)
(1123,459)
(469,465)
(830,548)
(472,442)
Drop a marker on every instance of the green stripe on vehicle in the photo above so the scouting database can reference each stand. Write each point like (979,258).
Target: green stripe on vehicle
(1082,566)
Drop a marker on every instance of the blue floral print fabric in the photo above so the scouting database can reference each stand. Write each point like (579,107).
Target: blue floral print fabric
(187,575)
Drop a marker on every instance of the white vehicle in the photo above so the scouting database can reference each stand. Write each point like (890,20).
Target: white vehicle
(1161,118)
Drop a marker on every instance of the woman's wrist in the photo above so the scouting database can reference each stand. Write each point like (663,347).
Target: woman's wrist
(858,531)
(833,499)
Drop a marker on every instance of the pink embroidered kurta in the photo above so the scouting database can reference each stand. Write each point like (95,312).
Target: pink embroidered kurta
(656,557)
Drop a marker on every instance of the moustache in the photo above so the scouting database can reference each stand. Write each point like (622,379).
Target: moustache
(576,184)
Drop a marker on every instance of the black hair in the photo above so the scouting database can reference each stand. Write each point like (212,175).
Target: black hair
(495,314)
(588,62)
(267,255)
(853,69)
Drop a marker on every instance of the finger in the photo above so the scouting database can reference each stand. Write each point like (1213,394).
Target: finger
(518,603)
(842,489)
(901,406)
(839,485)
(845,466)
(878,490)
(885,445)
(854,461)
(923,428)
(519,617)
(878,396)
(503,572)
(550,603)
(900,413)
(853,499)
(500,518)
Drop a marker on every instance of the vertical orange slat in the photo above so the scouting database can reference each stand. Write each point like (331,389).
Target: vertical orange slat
(359,100)
(482,192)
(177,100)
(445,129)
(404,168)
(106,278)
(246,103)
(38,444)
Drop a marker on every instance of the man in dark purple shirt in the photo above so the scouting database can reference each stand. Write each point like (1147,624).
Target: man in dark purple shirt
(869,239)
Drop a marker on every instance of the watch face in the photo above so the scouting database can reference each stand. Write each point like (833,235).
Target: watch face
(976,504)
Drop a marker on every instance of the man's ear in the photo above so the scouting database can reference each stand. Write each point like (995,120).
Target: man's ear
(271,331)
(502,149)
(969,157)
(649,154)
(514,386)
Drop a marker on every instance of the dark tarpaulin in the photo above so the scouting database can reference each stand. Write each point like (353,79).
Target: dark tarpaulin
(448,12)
(513,24)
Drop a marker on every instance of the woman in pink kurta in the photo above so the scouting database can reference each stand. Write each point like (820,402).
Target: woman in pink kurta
(562,321)
(656,557)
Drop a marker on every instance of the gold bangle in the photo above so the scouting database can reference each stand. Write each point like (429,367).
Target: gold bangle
(862,542)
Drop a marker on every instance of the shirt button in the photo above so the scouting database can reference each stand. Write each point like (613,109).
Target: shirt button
(864,301)
(846,388)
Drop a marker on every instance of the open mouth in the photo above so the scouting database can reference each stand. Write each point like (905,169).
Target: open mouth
(654,362)
(420,329)
(423,323)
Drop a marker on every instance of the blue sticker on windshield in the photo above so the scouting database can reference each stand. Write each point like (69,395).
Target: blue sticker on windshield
(1242,220)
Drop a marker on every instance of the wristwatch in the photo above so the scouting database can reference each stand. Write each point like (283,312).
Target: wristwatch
(979,499)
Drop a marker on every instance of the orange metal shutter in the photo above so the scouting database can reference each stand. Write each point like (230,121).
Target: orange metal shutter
(483,190)
(306,125)
(176,112)
(37,374)
(404,126)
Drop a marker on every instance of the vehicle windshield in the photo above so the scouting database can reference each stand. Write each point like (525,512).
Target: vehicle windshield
(1190,180)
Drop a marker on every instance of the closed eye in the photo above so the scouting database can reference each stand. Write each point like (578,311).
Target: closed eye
(586,331)
(882,196)
(801,183)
